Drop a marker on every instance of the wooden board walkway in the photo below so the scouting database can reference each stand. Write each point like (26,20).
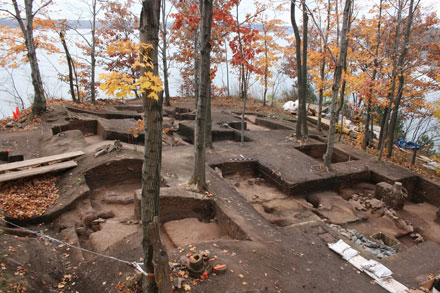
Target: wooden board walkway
(37,161)
(37,171)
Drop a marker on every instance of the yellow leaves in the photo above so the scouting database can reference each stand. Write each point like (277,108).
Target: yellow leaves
(117,84)
(120,84)
(149,84)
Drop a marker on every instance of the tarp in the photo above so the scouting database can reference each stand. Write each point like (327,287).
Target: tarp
(291,106)
(407,145)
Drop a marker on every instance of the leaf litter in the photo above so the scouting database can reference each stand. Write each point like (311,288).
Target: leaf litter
(30,198)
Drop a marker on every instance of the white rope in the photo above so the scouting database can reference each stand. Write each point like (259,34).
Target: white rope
(136,265)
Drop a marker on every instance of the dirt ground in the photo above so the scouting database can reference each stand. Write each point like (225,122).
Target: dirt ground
(267,216)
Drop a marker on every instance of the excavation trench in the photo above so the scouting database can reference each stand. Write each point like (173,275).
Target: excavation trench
(348,200)
(110,213)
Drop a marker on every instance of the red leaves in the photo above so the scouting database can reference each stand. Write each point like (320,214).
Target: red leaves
(248,38)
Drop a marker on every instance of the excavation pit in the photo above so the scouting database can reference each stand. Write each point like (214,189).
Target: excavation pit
(184,114)
(317,152)
(188,220)
(352,203)
(186,131)
(185,220)
(264,192)
(96,131)
(87,127)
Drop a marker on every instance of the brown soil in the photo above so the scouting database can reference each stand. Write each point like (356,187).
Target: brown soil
(266,219)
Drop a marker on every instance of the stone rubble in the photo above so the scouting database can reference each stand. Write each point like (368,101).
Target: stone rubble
(378,250)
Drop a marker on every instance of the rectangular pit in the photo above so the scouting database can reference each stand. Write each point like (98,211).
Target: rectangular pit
(265,191)
(87,127)
(186,131)
(317,152)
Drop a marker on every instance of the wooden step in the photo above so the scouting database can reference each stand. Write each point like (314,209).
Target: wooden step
(37,161)
(37,171)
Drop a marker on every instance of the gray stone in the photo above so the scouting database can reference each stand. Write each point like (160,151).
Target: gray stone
(376,204)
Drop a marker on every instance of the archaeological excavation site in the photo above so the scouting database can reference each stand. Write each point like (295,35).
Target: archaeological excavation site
(271,220)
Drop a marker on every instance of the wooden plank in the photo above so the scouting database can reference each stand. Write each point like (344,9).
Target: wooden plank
(37,171)
(42,160)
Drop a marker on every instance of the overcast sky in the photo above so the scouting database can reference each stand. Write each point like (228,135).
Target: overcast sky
(73,9)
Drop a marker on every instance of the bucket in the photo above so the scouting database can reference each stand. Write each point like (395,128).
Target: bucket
(436,287)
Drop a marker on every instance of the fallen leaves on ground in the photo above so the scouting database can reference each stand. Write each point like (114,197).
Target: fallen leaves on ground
(27,199)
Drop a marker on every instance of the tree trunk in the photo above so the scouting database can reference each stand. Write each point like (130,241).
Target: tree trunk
(198,177)
(299,120)
(164,56)
(244,97)
(305,85)
(322,72)
(209,143)
(367,134)
(69,65)
(196,68)
(92,56)
(243,83)
(149,33)
(321,94)
(400,64)
(227,71)
(336,83)
(366,140)
(383,131)
(383,127)
(266,71)
(39,104)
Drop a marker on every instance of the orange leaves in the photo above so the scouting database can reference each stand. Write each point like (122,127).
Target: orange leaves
(13,50)
(140,126)
(29,198)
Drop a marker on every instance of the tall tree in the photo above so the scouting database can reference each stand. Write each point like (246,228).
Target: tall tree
(337,82)
(369,117)
(272,30)
(164,51)
(391,93)
(395,102)
(301,65)
(149,33)
(70,65)
(198,177)
(26,25)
